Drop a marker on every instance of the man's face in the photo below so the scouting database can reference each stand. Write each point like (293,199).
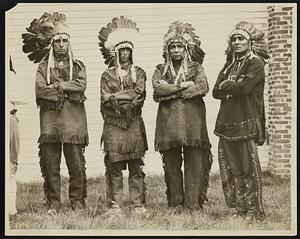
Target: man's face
(177,51)
(61,45)
(239,43)
(124,54)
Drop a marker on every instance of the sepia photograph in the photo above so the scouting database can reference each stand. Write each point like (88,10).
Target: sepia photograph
(163,119)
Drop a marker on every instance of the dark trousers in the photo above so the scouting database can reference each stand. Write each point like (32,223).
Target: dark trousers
(241,175)
(50,159)
(196,172)
(114,181)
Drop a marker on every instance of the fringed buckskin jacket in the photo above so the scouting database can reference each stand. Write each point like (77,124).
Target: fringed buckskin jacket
(124,133)
(241,116)
(181,116)
(62,112)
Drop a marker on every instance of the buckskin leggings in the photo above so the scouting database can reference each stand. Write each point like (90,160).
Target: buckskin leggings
(114,181)
(191,192)
(241,175)
(50,159)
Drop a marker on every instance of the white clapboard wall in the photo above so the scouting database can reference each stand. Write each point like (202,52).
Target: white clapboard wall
(212,22)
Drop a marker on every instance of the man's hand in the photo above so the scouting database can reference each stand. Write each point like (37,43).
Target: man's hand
(104,98)
(163,82)
(54,85)
(226,84)
(186,84)
(138,100)
(240,80)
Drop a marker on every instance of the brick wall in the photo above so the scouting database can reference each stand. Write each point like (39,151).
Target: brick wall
(280,88)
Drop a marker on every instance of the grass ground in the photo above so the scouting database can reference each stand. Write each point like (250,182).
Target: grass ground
(214,216)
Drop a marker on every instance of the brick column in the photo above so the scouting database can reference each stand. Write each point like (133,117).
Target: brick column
(280,85)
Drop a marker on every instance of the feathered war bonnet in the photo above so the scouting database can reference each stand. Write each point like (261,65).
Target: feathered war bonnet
(37,41)
(256,38)
(121,32)
(185,34)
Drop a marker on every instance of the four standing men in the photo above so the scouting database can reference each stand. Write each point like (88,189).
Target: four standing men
(181,131)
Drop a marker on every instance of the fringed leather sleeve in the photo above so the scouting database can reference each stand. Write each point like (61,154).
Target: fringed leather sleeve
(132,108)
(120,107)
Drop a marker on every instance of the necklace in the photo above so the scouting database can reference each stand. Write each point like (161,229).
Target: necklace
(61,64)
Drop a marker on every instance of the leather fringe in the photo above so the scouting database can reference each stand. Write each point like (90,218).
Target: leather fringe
(204,182)
(166,179)
(124,118)
(203,189)
(48,105)
(84,189)
(122,123)
(55,138)
(162,146)
(135,146)
(117,157)
(62,97)
(45,183)
(109,186)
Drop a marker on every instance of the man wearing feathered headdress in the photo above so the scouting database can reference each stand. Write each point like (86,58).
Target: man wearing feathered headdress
(240,123)
(60,85)
(179,86)
(122,93)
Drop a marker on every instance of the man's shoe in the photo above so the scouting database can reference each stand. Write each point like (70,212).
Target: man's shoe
(238,214)
(77,206)
(52,212)
(178,209)
(255,217)
(250,217)
(114,210)
(140,210)
(260,216)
